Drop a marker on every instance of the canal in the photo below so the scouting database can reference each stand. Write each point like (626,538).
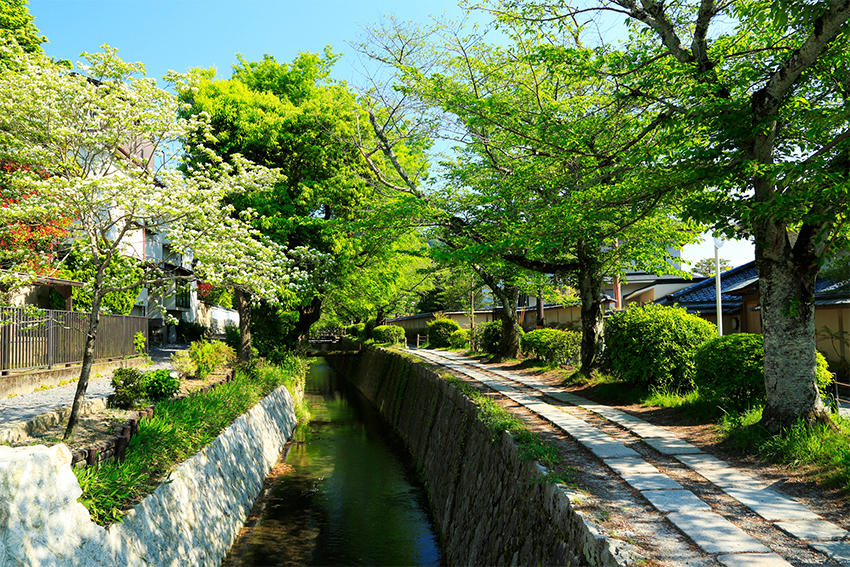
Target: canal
(344,494)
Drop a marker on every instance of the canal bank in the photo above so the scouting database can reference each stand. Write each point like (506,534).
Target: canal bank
(490,505)
(345,492)
(190,520)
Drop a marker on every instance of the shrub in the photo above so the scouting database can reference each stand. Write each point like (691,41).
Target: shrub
(459,339)
(439,331)
(491,336)
(552,346)
(357,330)
(138,341)
(129,387)
(232,336)
(183,363)
(160,385)
(208,356)
(388,334)
(730,369)
(654,346)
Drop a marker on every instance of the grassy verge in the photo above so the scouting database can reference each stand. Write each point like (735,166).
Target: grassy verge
(498,419)
(179,429)
(819,451)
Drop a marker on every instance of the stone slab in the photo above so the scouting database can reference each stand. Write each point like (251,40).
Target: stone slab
(667,446)
(813,530)
(714,533)
(718,472)
(641,475)
(837,550)
(771,505)
(753,560)
(674,500)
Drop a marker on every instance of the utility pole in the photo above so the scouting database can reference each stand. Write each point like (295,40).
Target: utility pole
(717,245)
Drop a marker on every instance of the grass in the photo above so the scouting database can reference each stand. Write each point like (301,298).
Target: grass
(820,451)
(498,419)
(179,429)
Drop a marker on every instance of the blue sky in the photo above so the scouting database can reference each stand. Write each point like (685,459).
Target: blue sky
(179,34)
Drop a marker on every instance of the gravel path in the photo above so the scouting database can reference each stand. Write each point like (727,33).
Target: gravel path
(730,513)
(28,406)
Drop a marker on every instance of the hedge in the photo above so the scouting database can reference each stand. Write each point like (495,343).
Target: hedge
(654,346)
(490,337)
(388,334)
(552,346)
(439,331)
(459,339)
(730,370)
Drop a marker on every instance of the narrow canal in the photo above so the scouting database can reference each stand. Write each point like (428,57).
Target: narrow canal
(345,494)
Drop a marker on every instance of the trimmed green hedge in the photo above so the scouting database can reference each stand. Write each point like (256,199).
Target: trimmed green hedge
(730,370)
(439,331)
(490,337)
(356,330)
(654,345)
(388,334)
(459,339)
(552,346)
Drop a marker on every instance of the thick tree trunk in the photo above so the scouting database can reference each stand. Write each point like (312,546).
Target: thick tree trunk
(306,317)
(509,346)
(590,293)
(88,356)
(243,306)
(380,317)
(787,285)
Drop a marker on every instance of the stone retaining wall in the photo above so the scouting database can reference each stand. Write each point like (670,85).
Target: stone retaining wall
(191,520)
(490,506)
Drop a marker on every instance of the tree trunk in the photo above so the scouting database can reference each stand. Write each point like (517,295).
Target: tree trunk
(306,317)
(787,286)
(88,356)
(590,293)
(380,317)
(243,306)
(509,346)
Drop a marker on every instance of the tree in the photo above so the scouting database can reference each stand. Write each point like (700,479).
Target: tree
(707,267)
(552,170)
(101,133)
(758,142)
(16,26)
(291,116)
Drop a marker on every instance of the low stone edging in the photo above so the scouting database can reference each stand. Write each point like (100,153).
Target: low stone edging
(490,506)
(192,519)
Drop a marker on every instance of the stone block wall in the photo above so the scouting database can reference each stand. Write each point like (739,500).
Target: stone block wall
(490,506)
(191,520)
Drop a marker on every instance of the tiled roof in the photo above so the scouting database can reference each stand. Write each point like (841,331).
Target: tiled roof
(700,296)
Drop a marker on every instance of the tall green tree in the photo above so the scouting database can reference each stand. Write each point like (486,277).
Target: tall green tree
(759,138)
(17,26)
(552,170)
(293,117)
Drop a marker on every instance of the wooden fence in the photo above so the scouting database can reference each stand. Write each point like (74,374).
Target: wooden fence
(48,338)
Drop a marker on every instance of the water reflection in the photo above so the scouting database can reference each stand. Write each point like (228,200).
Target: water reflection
(349,498)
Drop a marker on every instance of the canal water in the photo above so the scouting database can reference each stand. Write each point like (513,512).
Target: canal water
(345,494)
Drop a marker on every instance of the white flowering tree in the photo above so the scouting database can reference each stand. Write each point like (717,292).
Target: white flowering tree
(107,142)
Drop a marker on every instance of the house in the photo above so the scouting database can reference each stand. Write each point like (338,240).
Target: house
(739,294)
(47,293)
